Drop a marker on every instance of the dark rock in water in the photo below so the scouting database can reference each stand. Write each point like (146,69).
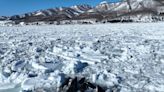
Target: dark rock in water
(39,50)
(36,57)
(100,89)
(63,77)
(30,43)
(14,71)
(79,85)
(27,91)
(65,83)
(81,47)
(32,75)
(70,85)
(78,55)
(120,79)
(82,80)
(116,88)
(83,87)
(91,85)
(73,86)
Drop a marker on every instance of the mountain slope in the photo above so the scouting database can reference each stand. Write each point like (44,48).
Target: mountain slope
(53,14)
(3,18)
(125,10)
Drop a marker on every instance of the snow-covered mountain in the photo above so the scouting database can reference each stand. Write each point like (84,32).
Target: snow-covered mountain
(135,10)
(53,14)
(3,18)
(132,10)
(131,5)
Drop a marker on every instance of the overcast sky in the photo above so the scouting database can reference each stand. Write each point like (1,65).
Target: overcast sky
(12,7)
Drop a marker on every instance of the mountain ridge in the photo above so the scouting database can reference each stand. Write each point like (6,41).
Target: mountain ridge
(130,10)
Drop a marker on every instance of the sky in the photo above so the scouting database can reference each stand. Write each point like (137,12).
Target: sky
(12,7)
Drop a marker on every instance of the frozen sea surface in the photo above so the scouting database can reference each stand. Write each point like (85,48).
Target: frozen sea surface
(128,55)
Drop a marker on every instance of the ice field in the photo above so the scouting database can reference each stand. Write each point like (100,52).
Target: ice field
(127,56)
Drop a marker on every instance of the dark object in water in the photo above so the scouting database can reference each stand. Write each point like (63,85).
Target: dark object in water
(65,82)
(73,85)
(99,89)
(30,43)
(32,75)
(79,85)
